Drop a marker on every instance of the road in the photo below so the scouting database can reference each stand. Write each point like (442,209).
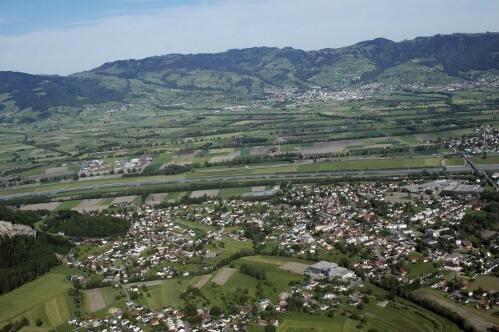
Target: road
(250,177)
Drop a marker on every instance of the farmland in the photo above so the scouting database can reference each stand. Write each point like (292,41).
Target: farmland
(45,298)
(331,136)
(259,199)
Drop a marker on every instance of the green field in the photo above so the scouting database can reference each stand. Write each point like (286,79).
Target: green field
(371,164)
(487,282)
(45,298)
(474,315)
(167,294)
(297,322)
(277,280)
(233,192)
(490,160)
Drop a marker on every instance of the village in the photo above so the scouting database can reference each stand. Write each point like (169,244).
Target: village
(356,232)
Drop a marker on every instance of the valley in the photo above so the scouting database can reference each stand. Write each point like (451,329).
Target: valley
(263,189)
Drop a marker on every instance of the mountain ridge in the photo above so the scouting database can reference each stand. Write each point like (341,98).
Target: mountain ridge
(251,71)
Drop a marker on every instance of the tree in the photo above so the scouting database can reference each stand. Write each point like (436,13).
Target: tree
(215,311)
(190,310)
(270,328)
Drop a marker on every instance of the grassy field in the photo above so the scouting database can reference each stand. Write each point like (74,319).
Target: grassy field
(230,192)
(297,322)
(490,160)
(477,317)
(168,293)
(68,205)
(277,280)
(486,282)
(368,164)
(420,268)
(45,298)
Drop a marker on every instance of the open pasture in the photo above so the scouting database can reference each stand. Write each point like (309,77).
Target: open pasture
(45,298)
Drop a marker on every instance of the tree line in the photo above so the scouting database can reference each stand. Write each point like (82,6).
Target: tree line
(73,223)
(23,258)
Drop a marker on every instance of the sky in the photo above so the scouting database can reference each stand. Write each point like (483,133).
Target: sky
(68,36)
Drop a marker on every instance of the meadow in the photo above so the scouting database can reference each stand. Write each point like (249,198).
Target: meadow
(45,298)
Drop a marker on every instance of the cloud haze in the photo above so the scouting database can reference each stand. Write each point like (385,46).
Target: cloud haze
(215,26)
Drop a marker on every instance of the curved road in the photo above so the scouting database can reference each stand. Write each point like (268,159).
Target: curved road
(249,177)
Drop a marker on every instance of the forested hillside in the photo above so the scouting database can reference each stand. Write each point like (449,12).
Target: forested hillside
(246,74)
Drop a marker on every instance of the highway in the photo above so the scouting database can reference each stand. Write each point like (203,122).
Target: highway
(249,177)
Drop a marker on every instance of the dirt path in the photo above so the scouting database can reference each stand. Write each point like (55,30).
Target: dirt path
(479,323)
(95,300)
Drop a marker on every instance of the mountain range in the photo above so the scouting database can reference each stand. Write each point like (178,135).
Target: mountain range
(247,73)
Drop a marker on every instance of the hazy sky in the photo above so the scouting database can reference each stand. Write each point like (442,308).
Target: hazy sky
(67,36)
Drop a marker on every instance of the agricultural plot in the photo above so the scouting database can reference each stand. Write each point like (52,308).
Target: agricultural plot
(485,282)
(67,205)
(330,147)
(229,157)
(259,150)
(257,188)
(233,192)
(153,199)
(202,281)
(201,193)
(94,300)
(88,205)
(479,319)
(45,298)
(123,200)
(40,206)
(297,322)
(168,293)
(370,164)
(223,276)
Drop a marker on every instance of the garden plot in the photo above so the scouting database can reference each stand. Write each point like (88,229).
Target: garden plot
(40,206)
(223,275)
(153,199)
(201,193)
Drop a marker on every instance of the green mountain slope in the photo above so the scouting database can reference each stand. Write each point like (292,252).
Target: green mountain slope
(249,72)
